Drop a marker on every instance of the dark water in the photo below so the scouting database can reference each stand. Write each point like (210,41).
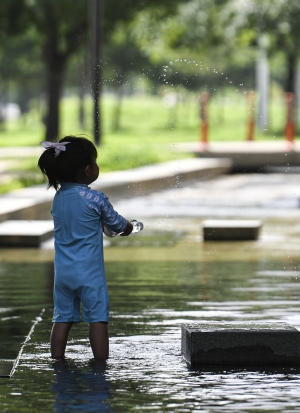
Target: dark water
(149,301)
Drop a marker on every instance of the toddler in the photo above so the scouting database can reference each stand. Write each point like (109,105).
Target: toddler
(79,214)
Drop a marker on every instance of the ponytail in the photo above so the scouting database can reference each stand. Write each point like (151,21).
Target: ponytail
(66,165)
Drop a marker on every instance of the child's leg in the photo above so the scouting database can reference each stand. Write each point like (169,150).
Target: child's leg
(99,340)
(59,338)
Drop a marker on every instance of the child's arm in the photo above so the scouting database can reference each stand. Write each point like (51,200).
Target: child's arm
(127,231)
(109,217)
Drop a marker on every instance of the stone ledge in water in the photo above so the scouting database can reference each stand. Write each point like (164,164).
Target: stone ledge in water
(234,230)
(6,367)
(245,343)
(22,233)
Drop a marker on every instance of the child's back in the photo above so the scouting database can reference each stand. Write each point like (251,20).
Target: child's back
(78,213)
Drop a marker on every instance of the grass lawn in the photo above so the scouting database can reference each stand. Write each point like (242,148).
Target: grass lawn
(149,127)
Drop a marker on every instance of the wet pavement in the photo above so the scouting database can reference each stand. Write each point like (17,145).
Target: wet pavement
(237,195)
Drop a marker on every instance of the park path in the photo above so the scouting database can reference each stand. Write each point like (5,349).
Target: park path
(251,195)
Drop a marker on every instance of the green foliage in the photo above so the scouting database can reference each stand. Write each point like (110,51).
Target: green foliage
(59,24)
(116,11)
(198,26)
(20,70)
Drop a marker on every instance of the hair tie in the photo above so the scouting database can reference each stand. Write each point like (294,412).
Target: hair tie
(58,146)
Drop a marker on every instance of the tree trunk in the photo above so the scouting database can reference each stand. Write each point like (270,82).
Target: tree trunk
(96,16)
(291,73)
(3,94)
(55,77)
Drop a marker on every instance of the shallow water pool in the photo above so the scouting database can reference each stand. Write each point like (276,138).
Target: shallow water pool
(153,289)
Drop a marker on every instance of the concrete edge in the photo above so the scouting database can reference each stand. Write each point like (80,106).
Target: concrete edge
(140,181)
(128,183)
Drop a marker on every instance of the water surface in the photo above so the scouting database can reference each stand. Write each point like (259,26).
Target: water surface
(149,301)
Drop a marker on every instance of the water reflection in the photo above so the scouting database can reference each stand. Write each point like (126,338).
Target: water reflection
(24,290)
(149,300)
(81,388)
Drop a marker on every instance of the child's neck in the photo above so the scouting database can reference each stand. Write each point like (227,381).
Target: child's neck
(81,178)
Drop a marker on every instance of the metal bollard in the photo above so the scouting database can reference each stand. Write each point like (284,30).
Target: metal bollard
(203,116)
(251,120)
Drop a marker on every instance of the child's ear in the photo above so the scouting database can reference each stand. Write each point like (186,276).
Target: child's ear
(87,171)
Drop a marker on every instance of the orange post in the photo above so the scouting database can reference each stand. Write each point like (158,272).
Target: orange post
(251,119)
(290,124)
(203,116)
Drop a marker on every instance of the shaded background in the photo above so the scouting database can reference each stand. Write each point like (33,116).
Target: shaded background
(129,75)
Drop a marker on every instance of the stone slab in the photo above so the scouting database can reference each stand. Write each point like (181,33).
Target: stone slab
(244,343)
(6,368)
(25,233)
(27,204)
(232,230)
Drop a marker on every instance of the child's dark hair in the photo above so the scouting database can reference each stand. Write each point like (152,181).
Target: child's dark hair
(79,154)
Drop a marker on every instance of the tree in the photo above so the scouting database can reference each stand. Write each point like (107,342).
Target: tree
(279,20)
(124,59)
(197,26)
(61,29)
(12,22)
(123,51)
(21,72)
(193,45)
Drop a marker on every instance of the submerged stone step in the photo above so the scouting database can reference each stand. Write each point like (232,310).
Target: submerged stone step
(231,230)
(245,343)
(25,233)
(6,367)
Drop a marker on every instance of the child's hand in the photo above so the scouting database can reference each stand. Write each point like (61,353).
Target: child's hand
(127,230)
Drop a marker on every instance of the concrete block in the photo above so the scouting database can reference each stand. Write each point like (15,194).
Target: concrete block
(25,233)
(6,367)
(231,230)
(245,343)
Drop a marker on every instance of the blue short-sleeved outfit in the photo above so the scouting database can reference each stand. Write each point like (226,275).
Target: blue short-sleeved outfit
(78,213)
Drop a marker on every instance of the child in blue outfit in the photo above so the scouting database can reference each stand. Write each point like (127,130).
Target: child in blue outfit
(79,214)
